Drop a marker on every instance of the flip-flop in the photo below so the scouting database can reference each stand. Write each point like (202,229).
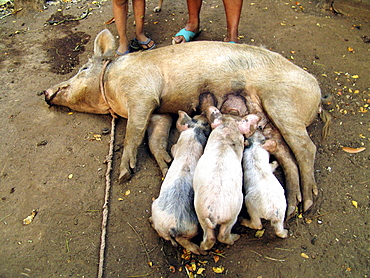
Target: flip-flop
(188,35)
(139,45)
(118,53)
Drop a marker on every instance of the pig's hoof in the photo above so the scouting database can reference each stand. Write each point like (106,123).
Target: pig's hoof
(125,175)
(283,234)
(307,204)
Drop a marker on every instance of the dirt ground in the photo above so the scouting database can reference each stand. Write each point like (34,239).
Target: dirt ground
(52,160)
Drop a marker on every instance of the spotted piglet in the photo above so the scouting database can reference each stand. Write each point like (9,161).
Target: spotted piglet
(173,215)
(217,183)
(264,194)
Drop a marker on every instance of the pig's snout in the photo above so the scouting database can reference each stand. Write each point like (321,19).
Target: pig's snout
(49,96)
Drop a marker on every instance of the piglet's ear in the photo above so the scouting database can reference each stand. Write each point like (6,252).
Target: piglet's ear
(183,121)
(214,116)
(104,44)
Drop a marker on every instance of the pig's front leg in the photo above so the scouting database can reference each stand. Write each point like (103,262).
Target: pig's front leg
(138,118)
(158,132)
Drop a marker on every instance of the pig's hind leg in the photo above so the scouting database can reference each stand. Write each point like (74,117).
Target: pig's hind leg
(279,228)
(158,132)
(295,135)
(255,220)
(190,246)
(209,237)
(225,235)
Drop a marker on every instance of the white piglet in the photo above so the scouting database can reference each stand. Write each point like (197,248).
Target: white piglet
(264,194)
(218,195)
(173,215)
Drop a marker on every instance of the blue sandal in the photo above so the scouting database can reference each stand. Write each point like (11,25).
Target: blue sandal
(188,35)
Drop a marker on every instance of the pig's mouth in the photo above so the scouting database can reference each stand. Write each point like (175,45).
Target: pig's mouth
(48,98)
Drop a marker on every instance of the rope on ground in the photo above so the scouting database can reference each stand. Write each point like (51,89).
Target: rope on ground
(106,200)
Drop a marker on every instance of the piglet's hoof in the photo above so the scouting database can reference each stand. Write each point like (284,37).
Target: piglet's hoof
(124,176)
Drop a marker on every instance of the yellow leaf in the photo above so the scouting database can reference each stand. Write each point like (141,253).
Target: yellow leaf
(70,176)
(120,199)
(30,218)
(150,264)
(354,203)
(193,266)
(304,255)
(355,76)
(219,269)
(259,233)
(200,270)
(127,192)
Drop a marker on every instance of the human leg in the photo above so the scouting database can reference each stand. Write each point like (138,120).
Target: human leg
(194,7)
(233,9)
(120,9)
(139,14)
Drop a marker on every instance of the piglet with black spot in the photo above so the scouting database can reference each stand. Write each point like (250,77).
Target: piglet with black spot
(173,214)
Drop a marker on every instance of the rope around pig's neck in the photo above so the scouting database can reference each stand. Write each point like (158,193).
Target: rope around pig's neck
(109,159)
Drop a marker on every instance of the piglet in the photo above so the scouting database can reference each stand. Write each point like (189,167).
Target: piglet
(217,183)
(264,194)
(173,215)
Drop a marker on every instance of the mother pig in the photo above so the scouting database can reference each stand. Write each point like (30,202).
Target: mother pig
(173,78)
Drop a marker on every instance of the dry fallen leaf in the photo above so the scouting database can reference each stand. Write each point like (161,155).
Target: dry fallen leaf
(354,203)
(200,270)
(304,255)
(219,269)
(172,269)
(259,233)
(29,218)
(216,258)
(353,150)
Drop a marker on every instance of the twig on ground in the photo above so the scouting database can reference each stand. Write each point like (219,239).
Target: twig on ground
(142,243)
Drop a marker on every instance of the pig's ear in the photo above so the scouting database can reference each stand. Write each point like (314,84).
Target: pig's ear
(270,145)
(214,117)
(183,121)
(104,44)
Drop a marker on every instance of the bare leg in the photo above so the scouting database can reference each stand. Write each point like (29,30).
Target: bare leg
(233,9)
(120,9)
(139,14)
(194,7)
